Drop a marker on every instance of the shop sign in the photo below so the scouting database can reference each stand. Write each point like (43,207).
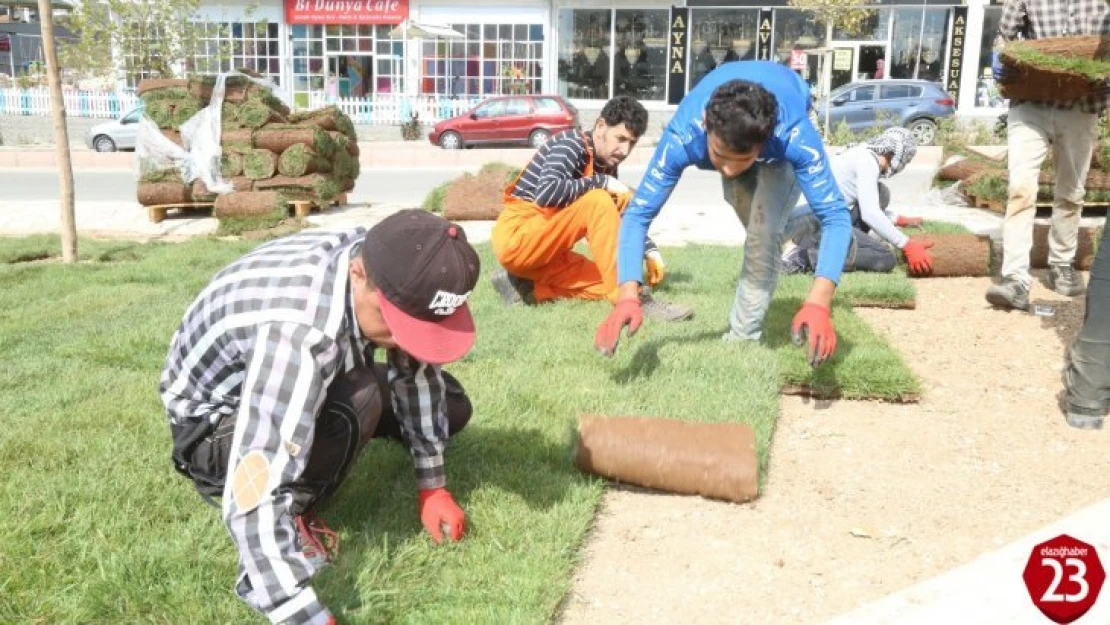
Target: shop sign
(346,11)
(842,60)
(763,43)
(956,53)
(676,63)
(798,59)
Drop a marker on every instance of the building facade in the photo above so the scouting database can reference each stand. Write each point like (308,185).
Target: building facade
(589,52)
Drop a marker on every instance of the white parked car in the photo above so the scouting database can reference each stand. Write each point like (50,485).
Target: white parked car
(119,134)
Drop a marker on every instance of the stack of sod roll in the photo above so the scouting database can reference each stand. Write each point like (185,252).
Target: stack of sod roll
(270,155)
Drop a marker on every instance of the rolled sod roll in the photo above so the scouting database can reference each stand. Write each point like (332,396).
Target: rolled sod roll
(343,142)
(231,164)
(328,118)
(241,141)
(1084,253)
(316,186)
(963,169)
(149,85)
(299,160)
(259,164)
(184,109)
(154,193)
(477,198)
(249,204)
(161,112)
(1038,70)
(715,460)
(280,138)
(202,194)
(169,174)
(959,254)
(256,114)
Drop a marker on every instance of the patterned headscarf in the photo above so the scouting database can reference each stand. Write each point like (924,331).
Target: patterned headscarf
(897,143)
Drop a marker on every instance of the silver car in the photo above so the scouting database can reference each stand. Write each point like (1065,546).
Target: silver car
(914,104)
(119,134)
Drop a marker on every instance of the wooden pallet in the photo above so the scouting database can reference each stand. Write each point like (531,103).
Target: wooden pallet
(301,208)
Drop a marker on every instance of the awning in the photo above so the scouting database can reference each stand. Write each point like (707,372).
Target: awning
(409,29)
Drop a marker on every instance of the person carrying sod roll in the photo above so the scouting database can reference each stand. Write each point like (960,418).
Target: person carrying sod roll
(748,120)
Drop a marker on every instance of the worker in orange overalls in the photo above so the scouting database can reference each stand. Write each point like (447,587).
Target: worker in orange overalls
(568,191)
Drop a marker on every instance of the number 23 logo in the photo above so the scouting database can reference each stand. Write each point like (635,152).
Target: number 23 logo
(1079,577)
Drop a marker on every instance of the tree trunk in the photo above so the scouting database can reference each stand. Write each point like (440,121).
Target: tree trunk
(61,133)
(826,78)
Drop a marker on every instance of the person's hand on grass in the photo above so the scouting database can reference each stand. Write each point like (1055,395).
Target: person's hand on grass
(917,256)
(441,515)
(629,311)
(813,328)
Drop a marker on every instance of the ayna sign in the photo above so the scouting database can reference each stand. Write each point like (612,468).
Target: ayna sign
(346,11)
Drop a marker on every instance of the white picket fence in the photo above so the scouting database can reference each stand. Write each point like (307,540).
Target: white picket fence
(380,110)
(78,103)
(389,110)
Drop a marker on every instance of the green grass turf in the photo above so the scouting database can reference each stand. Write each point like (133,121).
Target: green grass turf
(101,529)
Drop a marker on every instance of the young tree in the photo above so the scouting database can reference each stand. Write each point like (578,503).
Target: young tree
(61,134)
(154,38)
(847,15)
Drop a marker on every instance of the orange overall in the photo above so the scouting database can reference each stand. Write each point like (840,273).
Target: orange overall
(537,243)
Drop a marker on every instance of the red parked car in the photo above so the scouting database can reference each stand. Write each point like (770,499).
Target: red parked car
(521,119)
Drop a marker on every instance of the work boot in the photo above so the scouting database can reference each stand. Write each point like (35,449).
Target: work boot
(319,544)
(1009,294)
(795,261)
(513,290)
(1064,280)
(662,311)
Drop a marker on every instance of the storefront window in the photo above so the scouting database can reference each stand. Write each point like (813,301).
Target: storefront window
(363,59)
(873,28)
(640,62)
(797,30)
(490,59)
(232,45)
(603,53)
(719,36)
(986,91)
(584,53)
(919,43)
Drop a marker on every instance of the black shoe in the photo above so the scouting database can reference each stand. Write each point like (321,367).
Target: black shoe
(513,290)
(1064,280)
(1009,294)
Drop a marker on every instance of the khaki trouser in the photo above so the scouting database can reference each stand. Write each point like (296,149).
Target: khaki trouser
(1032,129)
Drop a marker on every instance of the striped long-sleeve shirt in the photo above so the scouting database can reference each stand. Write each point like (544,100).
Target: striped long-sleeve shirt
(262,343)
(556,175)
(1042,19)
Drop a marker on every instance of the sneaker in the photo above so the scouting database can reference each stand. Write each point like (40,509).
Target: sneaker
(795,261)
(662,311)
(513,290)
(1085,419)
(1009,294)
(1064,280)
(319,543)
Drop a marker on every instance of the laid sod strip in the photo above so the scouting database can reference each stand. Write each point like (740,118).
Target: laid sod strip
(863,289)
(930,226)
(158,551)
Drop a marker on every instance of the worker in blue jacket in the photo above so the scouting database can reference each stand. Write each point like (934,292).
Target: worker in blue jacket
(749,121)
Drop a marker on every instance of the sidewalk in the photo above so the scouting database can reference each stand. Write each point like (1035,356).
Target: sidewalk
(990,588)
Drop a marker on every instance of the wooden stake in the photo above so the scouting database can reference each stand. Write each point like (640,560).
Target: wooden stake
(61,133)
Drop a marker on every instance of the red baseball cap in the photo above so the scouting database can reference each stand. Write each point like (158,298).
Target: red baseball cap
(424,270)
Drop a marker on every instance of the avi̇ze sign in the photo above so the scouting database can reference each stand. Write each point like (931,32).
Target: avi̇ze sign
(346,11)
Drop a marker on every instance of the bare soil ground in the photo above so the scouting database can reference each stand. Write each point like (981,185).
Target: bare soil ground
(864,499)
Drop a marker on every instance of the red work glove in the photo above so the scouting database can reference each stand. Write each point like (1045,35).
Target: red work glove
(908,222)
(438,511)
(628,312)
(813,324)
(918,257)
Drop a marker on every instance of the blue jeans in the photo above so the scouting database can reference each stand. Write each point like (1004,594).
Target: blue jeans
(866,253)
(763,198)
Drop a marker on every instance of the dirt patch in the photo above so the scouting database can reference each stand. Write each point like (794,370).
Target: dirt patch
(862,498)
(473,197)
